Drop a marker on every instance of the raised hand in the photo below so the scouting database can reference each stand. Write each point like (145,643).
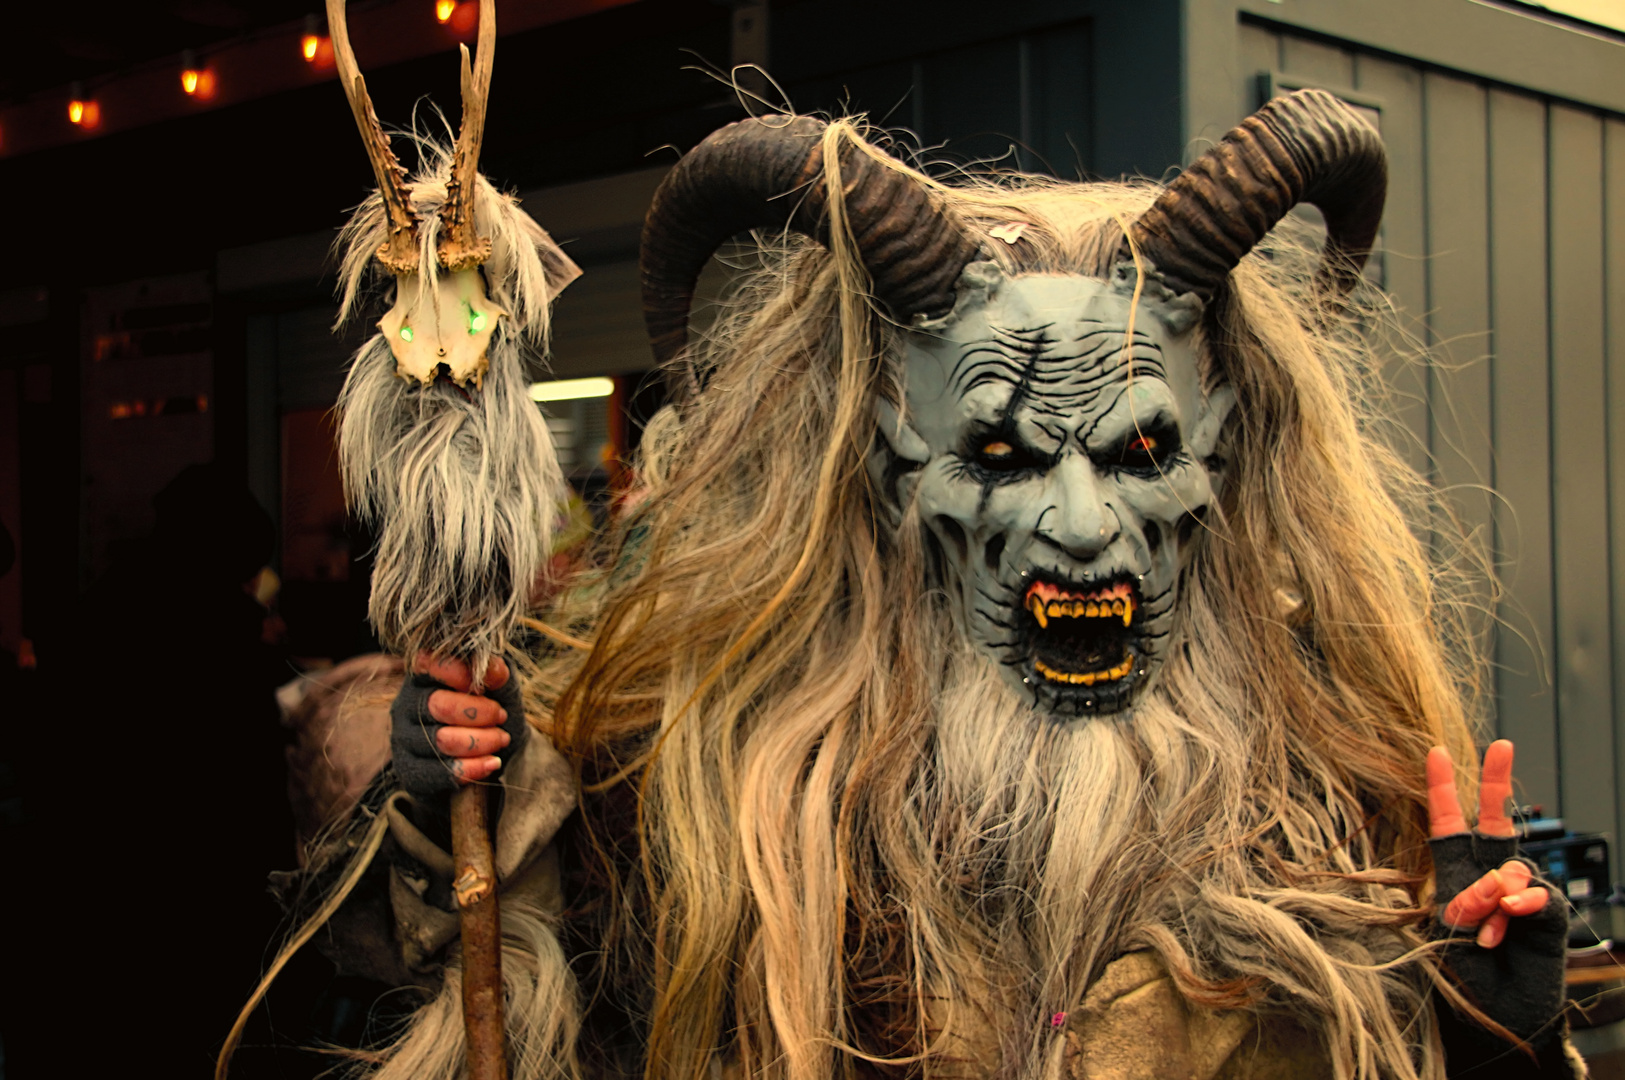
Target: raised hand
(443,736)
(1512,967)
(1503,892)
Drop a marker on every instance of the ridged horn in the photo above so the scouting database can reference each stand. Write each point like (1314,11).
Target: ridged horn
(769,173)
(460,246)
(1306,147)
(400,251)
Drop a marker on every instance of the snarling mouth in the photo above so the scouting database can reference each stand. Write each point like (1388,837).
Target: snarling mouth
(1082,637)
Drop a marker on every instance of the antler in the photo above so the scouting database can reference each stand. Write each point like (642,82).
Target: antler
(400,252)
(461,247)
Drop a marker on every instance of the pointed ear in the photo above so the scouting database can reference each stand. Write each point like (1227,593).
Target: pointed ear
(904,441)
(1216,409)
(895,460)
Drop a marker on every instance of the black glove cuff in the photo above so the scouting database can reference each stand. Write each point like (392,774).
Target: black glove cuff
(1473,1053)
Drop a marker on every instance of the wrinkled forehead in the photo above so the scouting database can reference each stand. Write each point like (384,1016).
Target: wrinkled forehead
(1058,342)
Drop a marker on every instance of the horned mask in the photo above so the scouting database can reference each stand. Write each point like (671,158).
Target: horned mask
(1061,435)
(443,319)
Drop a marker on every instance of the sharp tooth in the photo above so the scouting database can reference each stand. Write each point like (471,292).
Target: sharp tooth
(1128,612)
(1079,679)
(1087,678)
(1085,608)
(1037,607)
(1056,610)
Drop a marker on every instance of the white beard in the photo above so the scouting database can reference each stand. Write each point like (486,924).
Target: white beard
(1056,804)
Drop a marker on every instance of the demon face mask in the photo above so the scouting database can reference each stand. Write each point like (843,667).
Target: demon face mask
(1055,437)
(1062,465)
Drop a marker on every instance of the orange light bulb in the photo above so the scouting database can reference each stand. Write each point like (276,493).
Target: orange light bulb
(76,112)
(189,80)
(308,46)
(444,9)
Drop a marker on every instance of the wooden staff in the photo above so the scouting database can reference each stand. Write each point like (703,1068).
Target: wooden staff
(476,893)
(460,248)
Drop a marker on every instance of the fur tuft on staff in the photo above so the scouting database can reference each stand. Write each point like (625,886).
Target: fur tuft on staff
(462,486)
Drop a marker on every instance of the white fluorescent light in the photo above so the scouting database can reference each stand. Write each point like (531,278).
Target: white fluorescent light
(570,389)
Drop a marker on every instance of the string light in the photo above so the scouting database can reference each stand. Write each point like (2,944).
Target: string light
(444,10)
(311,41)
(197,81)
(82,111)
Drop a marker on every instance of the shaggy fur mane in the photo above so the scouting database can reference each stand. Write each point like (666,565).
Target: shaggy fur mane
(857,852)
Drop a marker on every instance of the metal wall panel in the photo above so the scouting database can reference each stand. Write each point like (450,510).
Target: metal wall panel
(1614,328)
(1504,241)
(1580,541)
(1318,61)
(1457,208)
(1398,89)
(1527,709)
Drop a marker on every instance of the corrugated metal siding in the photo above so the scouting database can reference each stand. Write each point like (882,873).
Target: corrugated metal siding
(1505,240)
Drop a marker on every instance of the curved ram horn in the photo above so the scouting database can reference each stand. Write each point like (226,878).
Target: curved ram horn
(1306,147)
(460,246)
(758,173)
(400,252)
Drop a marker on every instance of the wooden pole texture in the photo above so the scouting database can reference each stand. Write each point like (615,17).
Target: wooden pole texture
(475,889)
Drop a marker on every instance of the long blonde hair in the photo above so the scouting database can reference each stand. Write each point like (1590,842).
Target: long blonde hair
(832,877)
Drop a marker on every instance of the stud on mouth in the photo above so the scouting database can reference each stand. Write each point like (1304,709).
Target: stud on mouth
(1081,637)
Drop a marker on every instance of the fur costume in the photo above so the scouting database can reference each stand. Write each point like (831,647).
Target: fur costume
(883,775)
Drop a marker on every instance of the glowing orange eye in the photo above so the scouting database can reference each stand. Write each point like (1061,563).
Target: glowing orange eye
(997,450)
(1145,444)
